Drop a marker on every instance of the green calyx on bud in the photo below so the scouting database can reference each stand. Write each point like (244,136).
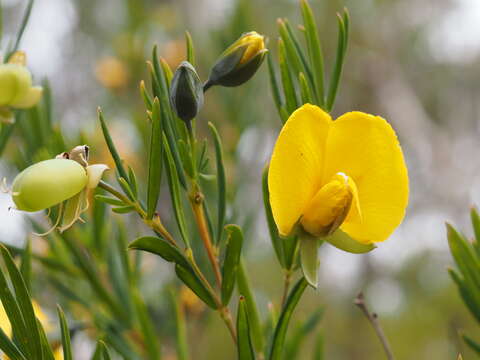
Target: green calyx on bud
(17,90)
(239,62)
(186,92)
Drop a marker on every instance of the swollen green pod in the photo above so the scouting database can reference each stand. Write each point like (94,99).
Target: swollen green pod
(47,183)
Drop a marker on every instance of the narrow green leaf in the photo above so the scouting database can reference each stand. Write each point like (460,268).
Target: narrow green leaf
(24,304)
(244,289)
(231,262)
(189,278)
(277,98)
(123,209)
(111,146)
(132,180)
(339,60)
(290,50)
(47,352)
(9,348)
(272,227)
(298,49)
(299,336)
(109,200)
(90,272)
(309,258)
(21,31)
(5,133)
(305,92)
(66,343)
(180,327)
(147,99)
(464,256)
(475,218)
(175,194)
(147,328)
(278,342)
(155,160)
(287,82)
(126,187)
(475,346)
(159,247)
(101,352)
(161,91)
(318,353)
(221,183)
(314,50)
(26,265)
(470,298)
(244,347)
(167,72)
(190,49)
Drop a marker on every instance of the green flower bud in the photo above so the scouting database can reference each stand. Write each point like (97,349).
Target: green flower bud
(47,183)
(15,80)
(186,92)
(17,90)
(239,62)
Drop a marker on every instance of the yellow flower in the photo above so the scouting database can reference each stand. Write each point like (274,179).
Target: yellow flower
(347,174)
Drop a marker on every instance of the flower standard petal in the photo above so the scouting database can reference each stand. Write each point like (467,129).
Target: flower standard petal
(366,148)
(297,163)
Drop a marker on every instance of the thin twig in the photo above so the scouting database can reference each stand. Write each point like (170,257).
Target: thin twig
(373,319)
(196,200)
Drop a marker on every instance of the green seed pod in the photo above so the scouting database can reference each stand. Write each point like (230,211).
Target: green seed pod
(239,62)
(47,183)
(186,92)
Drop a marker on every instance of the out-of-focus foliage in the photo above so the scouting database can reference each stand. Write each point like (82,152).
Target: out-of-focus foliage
(467,278)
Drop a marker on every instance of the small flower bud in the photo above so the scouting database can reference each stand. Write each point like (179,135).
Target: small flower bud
(17,90)
(239,62)
(47,183)
(186,92)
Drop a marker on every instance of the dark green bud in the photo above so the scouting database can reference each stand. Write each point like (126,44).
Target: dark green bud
(186,92)
(239,62)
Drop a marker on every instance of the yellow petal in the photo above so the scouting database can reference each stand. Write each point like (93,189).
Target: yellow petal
(366,148)
(4,321)
(297,163)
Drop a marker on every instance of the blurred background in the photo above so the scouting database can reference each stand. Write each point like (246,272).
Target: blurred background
(416,63)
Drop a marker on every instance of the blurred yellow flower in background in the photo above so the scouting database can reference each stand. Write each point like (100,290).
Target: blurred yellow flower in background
(16,90)
(41,316)
(349,174)
(112,73)
(190,301)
